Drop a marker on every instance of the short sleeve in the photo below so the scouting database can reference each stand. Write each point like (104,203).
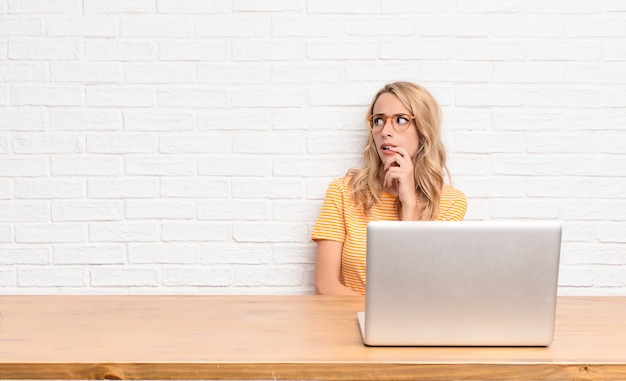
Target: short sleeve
(330,223)
(452,206)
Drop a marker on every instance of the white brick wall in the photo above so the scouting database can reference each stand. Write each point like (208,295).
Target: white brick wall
(184,146)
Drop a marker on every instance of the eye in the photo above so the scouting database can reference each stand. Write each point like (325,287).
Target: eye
(378,120)
(402,119)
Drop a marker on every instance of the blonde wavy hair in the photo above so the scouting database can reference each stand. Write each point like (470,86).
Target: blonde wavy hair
(429,163)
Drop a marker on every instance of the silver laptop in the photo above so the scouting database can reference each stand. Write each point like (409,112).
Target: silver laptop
(468,283)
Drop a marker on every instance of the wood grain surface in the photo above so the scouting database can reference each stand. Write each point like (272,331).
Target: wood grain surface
(278,337)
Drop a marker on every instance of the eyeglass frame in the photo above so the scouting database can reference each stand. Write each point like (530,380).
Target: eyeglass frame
(386,118)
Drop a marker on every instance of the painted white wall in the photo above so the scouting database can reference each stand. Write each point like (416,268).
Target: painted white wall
(163,146)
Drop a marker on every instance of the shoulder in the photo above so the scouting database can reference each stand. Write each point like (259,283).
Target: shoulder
(341,184)
(450,193)
(453,204)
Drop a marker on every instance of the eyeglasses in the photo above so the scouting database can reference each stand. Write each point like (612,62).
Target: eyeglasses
(400,122)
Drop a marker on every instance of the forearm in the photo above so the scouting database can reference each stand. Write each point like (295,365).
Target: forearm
(330,287)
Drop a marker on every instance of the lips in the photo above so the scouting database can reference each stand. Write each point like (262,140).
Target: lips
(386,147)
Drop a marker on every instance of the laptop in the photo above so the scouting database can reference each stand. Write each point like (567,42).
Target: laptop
(467,283)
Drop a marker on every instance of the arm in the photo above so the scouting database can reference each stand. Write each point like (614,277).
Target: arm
(327,268)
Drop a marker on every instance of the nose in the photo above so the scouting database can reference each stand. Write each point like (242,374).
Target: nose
(387,127)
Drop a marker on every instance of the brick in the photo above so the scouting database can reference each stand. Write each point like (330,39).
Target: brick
(123,276)
(115,96)
(561,187)
(491,50)
(121,143)
(458,26)
(612,232)
(594,210)
(595,73)
(308,26)
(196,187)
(194,6)
(25,256)
(612,188)
(196,231)
(194,51)
(340,49)
(268,142)
(456,71)
(263,97)
(524,121)
(235,166)
(567,7)
(207,143)
(275,276)
(90,120)
(542,26)
(269,5)
(160,209)
(595,26)
(151,26)
(121,231)
(23,26)
(239,25)
(530,165)
(272,188)
(52,276)
(80,210)
(268,232)
(24,167)
(41,49)
(8,278)
(294,210)
(47,96)
(117,6)
(49,233)
(86,72)
(475,95)
(236,72)
(36,143)
(171,253)
(564,50)
(237,210)
(193,97)
(410,49)
(346,6)
(529,73)
(275,49)
(6,190)
(197,276)
(120,50)
(593,165)
(43,7)
(22,72)
(18,120)
(87,166)
(488,6)
(161,166)
(525,208)
(89,254)
(86,26)
(237,253)
(49,188)
(126,188)
(303,73)
(159,121)
(159,73)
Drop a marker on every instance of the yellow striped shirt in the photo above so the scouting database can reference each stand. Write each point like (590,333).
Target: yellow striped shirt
(340,220)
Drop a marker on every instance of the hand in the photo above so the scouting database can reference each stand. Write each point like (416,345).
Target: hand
(399,176)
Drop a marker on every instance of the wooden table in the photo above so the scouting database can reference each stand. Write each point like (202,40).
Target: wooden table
(278,337)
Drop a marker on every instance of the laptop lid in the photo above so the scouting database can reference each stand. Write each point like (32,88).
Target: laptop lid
(468,283)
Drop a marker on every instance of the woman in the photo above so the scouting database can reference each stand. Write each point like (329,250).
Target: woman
(402,179)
